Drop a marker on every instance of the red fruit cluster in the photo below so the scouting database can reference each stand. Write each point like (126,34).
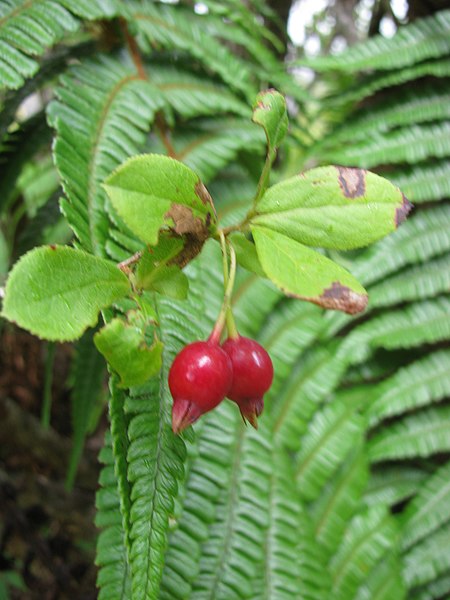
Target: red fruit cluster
(204,373)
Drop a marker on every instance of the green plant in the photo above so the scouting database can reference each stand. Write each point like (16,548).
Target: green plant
(307,499)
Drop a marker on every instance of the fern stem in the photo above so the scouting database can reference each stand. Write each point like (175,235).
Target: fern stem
(133,48)
(136,57)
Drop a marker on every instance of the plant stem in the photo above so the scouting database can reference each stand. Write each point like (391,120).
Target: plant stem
(226,305)
(47,399)
(264,179)
(223,247)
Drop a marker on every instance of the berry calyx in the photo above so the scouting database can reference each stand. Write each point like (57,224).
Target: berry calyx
(199,379)
(252,376)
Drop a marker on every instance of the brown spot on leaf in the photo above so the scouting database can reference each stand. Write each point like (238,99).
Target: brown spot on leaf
(340,297)
(193,230)
(352,181)
(184,220)
(402,212)
(192,247)
(52,247)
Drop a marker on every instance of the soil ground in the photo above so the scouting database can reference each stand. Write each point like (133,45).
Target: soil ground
(47,534)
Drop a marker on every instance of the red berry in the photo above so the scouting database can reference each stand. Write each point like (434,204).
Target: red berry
(199,379)
(252,376)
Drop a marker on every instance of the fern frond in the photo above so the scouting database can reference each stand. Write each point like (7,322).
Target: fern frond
(390,485)
(113,578)
(371,84)
(101,116)
(424,182)
(416,42)
(422,434)
(429,560)
(230,558)
(211,145)
(246,18)
(119,423)
(312,379)
(385,581)
(207,481)
(173,27)
(254,300)
(290,329)
(192,96)
(429,510)
(88,374)
(369,537)
(332,433)
(339,500)
(17,150)
(418,323)
(315,579)
(37,230)
(435,590)
(293,562)
(423,236)
(410,145)
(420,383)
(155,455)
(430,103)
(28,28)
(415,283)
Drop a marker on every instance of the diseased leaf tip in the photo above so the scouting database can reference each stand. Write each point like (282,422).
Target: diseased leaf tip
(402,211)
(340,297)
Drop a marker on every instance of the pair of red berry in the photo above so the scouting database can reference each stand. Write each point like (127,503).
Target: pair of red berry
(203,373)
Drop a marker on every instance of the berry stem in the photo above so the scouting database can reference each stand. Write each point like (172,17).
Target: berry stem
(223,247)
(225,315)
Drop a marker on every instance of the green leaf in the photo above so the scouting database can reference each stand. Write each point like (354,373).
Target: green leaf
(269,111)
(154,273)
(151,191)
(246,254)
(333,207)
(171,282)
(303,273)
(56,292)
(125,348)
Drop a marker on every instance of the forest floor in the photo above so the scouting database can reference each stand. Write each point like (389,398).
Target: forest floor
(47,533)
